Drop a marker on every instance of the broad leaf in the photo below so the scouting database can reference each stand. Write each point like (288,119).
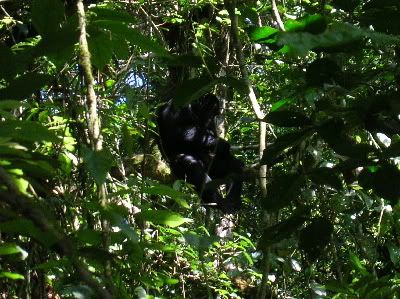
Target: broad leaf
(283,189)
(282,144)
(391,152)
(104,13)
(176,195)
(383,179)
(26,131)
(264,34)
(337,38)
(8,249)
(11,275)
(24,86)
(315,237)
(163,217)
(326,176)
(132,35)
(7,62)
(192,89)
(47,15)
(288,118)
(314,24)
(284,229)
(101,48)
(98,164)
(199,242)
(26,227)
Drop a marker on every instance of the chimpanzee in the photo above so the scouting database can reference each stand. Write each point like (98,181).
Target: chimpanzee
(188,141)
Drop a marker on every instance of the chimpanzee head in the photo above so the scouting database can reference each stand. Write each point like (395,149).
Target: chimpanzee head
(206,107)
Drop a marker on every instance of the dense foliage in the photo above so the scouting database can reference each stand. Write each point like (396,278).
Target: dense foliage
(88,209)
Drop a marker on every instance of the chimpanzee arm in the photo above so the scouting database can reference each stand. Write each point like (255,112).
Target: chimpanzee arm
(194,171)
(205,140)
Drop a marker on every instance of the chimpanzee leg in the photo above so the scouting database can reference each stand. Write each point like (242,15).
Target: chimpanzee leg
(193,170)
(231,168)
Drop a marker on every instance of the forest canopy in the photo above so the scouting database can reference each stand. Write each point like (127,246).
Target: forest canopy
(304,120)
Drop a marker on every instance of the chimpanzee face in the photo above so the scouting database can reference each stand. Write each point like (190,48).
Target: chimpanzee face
(207,107)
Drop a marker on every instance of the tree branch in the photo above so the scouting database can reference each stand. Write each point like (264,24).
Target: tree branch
(277,15)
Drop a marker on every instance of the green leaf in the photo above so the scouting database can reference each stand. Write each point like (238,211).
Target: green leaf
(66,163)
(347,5)
(11,275)
(89,236)
(192,89)
(288,118)
(59,46)
(282,144)
(315,237)
(394,253)
(132,35)
(326,176)
(76,291)
(283,229)
(276,106)
(383,179)
(391,152)
(238,84)
(357,265)
(199,242)
(120,48)
(47,15)
(334,133)
(98,164)
(7,249)
(7,62)
(11,150)
(101,48)
(263,34)
(26,131)
(97,13)
(314,24)
(176,195)
(116,216)
(282,190)
(183,60)
(24,86)
(7,107)
(26,227)
(338,287)
(163,217)
(338,38)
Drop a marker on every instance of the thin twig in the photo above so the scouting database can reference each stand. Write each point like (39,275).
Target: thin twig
(277,15)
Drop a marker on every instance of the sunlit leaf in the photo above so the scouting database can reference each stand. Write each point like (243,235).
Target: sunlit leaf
(11,275)
(163,217)
(357,265)
(176,195)
(200,242)
(7,249)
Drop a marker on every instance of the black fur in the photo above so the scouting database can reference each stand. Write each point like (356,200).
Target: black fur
(189,142)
